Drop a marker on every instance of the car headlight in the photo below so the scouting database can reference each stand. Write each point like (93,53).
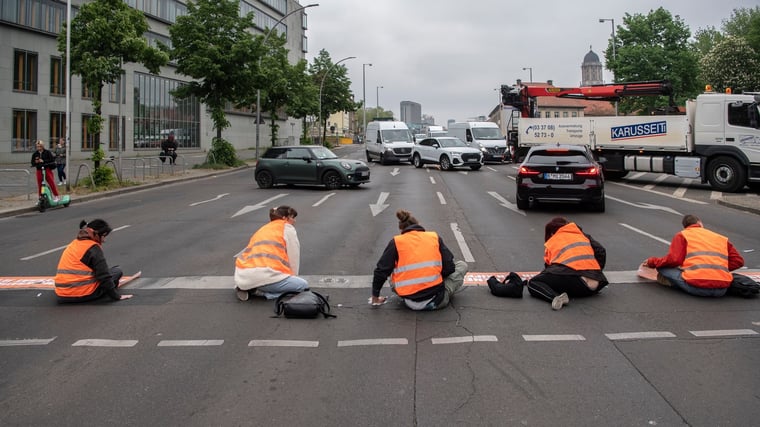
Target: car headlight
(347,166)
(483,149)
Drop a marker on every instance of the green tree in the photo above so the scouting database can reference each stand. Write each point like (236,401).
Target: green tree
(336,92)
(654,47)
(705,39)
(732,63)
(213,45)
(745,23)
(104,35)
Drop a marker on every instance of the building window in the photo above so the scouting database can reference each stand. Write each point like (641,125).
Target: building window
(564,114)
(24,130)
(115,134)
(547,114)
(57,126)
(44,15)
(87,92)
(57,76)
(575,114)
(117,91)
(24,71)
(90,141)
(157,112)
(556,114)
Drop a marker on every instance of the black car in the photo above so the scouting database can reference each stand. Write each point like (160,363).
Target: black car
(560,174)
(308,164)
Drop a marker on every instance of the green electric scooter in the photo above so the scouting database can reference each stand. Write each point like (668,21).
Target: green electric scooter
(47,199)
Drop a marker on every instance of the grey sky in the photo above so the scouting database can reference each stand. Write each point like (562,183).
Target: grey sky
(451,55)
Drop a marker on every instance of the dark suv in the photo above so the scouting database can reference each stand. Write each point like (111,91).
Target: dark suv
(308,164)
(560,174)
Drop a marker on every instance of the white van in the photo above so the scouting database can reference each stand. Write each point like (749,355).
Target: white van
(388,141)
(485,136)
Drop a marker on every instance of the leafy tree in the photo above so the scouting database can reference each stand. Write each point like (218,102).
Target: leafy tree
(731,63)
(745,23)
(104,35)
(705,40)
(212,45)
(653,47)
(335,85)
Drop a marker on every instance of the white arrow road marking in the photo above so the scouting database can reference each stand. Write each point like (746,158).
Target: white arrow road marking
(210,200)
(466,254)
(60,248)
(505,203)
(323,199)
(260,205)
(395,172)
(379,206)
(440,198)
(646,205)
(644,233)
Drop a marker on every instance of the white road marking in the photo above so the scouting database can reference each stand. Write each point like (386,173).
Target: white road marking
(432,180)
(657,180)
(716,195)
(466,254)
(680,191)
(282,343)
(375,341)
(189,343)
(723,333)
(440,198)
(323,199)
(640,335)
(637,175)
(492,169)
(104,343)
(395,172)
(380,205)
(28,341)
(463,172)
(458,340)
(505,203)
(568,337)
(259,205)
(210,200)
(644,233)
(60,248)
(635,187)
(645,205)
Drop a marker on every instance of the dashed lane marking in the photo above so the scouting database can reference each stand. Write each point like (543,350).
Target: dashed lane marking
(640,335)
(723,333)
(376,341)
(104,343)
(565,337)
(458,340)
(189,343)
(282,343)
(28,341)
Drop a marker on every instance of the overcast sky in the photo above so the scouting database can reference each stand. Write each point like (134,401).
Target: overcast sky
(451,55)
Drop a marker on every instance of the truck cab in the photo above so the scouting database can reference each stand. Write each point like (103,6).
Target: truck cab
(388,141)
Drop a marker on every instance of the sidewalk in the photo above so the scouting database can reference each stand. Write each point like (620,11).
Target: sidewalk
(18,190)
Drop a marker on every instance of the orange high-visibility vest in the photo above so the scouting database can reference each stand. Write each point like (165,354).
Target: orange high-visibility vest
(706,256)
(74,278)
(570,247)
(419,262)
(267,248)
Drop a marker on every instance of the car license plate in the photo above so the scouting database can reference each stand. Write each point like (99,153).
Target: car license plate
(364,173)
(558,176)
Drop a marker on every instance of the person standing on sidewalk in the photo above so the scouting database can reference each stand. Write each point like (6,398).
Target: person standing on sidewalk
(60,160)
(421,267)
(573,263)
(699,261)
(44,159)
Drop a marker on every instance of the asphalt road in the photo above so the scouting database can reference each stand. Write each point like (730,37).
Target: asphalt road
(184,351)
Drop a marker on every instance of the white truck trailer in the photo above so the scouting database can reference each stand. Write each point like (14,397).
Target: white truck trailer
(717,141)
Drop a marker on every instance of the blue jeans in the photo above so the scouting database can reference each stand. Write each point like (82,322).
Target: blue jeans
(674,276)
(290,284)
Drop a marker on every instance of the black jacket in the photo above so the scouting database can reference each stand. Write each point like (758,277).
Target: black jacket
(388,260)
(48,159)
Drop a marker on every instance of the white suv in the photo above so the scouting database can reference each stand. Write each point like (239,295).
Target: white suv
(449,152)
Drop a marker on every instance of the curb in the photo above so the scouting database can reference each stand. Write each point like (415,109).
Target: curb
(750,209)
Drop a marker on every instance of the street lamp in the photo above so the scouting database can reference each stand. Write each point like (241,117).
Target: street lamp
(364,98)
(614,40)
(531,72)
(321,85)
(258,91)
(377,96)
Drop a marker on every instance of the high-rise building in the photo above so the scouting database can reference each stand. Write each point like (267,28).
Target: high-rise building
(411,112)
(139,110)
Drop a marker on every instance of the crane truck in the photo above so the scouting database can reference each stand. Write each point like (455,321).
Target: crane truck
(717,140)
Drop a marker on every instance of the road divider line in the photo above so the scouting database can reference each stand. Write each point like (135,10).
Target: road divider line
(375,341)
(210,200)
(644,233)
(440,198)
(282,343)
(545,338)
(465,339)
(640,335)
(25,342)
(723,333)
(322,200)
(466,254)
(432,180)
(104,343)
(189,343)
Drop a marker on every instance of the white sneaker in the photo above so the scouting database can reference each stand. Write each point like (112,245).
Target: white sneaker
(559,301)
(241,294)
(55,199)
(60,183)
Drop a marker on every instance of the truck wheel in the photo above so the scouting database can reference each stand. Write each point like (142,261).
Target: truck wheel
(445,163)
(726,174)
(417,161)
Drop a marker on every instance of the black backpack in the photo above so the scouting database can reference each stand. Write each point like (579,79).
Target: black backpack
(510,287)
(302,305)
(743,286)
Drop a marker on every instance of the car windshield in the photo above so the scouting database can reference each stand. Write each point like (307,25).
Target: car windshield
(322,153)
(557,157)
(486,133)
(391,135)
(451,142)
